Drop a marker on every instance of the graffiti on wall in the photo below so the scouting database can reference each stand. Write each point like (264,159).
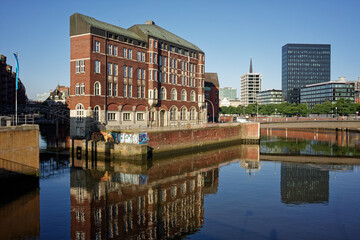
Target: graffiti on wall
(130,138)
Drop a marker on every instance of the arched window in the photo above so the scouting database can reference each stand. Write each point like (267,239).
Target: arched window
(162,93)
(183,113)
(97,89)
(192,113)
(97,114)
(192,96)
(173,94)
(79,112)
(183,95)
(173,111)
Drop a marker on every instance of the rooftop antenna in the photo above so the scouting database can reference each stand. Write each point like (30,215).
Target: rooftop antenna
(251,69)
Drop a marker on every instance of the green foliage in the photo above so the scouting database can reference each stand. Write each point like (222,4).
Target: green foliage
(341,107)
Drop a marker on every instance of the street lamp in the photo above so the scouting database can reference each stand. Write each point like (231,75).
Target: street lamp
(213,110)
(336,112)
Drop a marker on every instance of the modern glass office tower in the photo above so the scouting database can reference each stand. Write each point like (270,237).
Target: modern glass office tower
(228,92)
(271,96)
(328,91)
(304,64)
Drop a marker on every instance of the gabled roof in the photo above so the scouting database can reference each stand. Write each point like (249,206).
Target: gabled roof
(160,33)
(212,78)
(81,24)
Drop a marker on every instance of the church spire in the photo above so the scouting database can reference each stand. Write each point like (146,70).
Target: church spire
(251,70)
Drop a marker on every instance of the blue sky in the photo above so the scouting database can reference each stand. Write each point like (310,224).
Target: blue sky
(229,32)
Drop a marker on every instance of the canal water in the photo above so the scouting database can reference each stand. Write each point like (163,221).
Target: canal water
(231,193)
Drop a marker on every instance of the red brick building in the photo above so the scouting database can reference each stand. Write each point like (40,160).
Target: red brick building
(137,77)
(212,88)
(59,96)
(8,86)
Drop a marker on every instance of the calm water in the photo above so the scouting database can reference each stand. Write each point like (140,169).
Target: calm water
(224,194)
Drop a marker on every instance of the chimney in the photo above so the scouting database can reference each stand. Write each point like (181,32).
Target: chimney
(150,22)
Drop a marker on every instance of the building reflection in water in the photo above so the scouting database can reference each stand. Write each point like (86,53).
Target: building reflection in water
(303,183)
(20,215)
(146,201)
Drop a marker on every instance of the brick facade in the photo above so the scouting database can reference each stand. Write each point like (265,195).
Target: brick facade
(212,89)
(8,85)
(118,77)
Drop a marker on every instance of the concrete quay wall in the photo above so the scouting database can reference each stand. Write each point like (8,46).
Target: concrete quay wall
(163,141)
(351,125)
(19,149)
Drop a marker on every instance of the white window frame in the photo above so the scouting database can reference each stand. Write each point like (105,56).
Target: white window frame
(109,49)
(77,67)
(130,72)
(82,66)
(125,69)
(116,69)
(173,113)
(129,91)
(97,89)
(192,96)
(173,94)
(96,113)
(80,112)
(115,50)
(143,57)
(97,46)
(77,89)
(162,93)
(140,116)
(143,72)
(97,66)
(82,89)
(109,89)
(110,69)
(111,116)
(143,92)
(124,90)
(183,95)
(115,89)
(126,116)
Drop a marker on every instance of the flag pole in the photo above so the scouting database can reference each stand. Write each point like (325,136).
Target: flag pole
(16,86)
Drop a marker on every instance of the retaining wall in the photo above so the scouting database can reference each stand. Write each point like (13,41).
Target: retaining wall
(163,141)
(19,149)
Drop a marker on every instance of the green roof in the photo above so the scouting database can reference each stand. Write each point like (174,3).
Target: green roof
(160,33)
(108,27)
(80,24)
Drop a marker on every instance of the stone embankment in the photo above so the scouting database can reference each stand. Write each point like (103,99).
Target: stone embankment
(167,141)
(19,150)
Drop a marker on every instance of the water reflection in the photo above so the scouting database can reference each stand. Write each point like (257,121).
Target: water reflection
(20,214)
(107,204)
(302,183)
(140,201)
(310,142)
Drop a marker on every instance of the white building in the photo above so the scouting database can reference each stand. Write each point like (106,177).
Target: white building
(250,86)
